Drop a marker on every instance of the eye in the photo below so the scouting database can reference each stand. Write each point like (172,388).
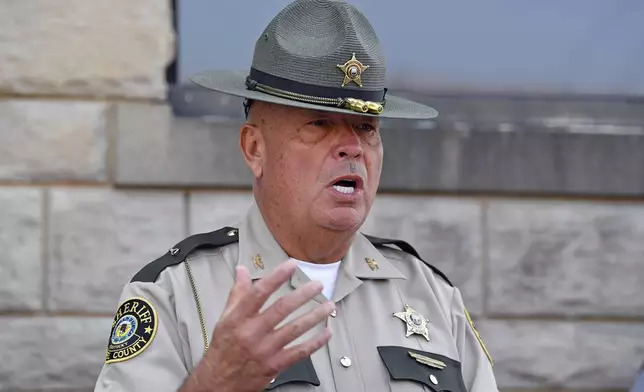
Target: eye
(319,122)
(315,130)
(366,127)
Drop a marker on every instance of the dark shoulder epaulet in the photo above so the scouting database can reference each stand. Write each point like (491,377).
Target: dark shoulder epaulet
(405,247)
(180,251)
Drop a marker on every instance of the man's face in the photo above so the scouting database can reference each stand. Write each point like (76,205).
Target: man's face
(319,166)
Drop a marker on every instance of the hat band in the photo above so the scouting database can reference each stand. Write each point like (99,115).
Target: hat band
(360,101)
(312,90)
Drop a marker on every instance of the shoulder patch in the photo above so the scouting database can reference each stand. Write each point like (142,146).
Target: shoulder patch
(133,328)
(405,247)
(180,251)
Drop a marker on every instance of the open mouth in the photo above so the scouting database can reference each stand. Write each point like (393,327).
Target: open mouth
(346,186)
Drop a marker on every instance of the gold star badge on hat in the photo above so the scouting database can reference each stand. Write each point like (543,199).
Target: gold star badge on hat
(352,71)
(415,321)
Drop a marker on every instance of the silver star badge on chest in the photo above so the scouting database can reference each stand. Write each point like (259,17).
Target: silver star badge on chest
(416,323)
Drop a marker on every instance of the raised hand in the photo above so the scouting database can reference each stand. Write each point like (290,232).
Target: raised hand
(247,349)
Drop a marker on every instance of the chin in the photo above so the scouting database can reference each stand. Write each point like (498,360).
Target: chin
(343,219)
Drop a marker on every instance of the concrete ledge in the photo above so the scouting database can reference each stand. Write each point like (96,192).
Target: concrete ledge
(181,146)
(529,163)
(155,148)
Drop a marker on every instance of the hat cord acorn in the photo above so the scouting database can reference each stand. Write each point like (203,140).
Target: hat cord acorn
(354,104)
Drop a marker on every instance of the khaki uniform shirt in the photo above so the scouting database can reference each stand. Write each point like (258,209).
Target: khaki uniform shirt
(168,311)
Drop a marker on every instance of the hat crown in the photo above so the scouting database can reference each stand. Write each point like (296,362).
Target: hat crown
(314,42)
(320,55)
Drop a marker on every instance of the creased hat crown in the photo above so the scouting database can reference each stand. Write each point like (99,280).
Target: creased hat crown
(317,54)
(308,39)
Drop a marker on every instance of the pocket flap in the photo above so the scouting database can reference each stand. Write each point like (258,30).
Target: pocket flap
(439,373)
(302,371)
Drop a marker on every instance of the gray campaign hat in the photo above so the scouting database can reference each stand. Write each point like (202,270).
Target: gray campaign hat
(318,54)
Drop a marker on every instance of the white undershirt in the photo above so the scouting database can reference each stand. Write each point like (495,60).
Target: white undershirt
(325,273)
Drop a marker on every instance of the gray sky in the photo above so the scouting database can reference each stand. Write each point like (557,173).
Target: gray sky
(571,46)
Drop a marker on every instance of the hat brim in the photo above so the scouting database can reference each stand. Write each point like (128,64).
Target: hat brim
(234,83)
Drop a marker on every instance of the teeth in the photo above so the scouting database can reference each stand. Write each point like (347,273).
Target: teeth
(344,189)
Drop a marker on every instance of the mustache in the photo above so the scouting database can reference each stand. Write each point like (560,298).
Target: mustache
(345,168)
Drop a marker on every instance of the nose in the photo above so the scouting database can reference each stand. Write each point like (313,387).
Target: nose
(349,146)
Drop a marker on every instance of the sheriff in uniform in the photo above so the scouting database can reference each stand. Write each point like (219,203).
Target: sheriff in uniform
(294,297)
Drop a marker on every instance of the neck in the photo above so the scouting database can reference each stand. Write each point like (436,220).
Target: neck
(312,244)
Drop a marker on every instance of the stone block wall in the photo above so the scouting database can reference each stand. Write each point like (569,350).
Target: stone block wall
(98,177)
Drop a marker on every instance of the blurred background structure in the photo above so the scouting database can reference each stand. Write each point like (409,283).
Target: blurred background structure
(527,190)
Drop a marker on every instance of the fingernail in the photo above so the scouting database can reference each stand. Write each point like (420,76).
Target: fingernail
(239,270)
(290,264)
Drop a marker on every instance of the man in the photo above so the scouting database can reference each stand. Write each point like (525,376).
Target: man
(638,386)
(294,298)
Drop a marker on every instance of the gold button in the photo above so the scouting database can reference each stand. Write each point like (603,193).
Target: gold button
(433,379)
(334,313)
(345,361)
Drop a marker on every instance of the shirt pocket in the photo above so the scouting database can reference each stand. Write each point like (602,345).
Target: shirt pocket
(301,376)
(434,372)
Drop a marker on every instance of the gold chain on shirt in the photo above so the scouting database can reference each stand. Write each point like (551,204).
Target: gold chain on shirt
(204,333)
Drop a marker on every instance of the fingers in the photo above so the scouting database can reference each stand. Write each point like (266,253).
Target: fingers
(291,355)
(299,326)
(241,287)
(287,304)
(259,292)
(258,348)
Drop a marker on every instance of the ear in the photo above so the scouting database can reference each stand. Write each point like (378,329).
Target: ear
(251,143)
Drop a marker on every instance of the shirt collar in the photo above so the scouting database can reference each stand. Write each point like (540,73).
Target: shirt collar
(260,253)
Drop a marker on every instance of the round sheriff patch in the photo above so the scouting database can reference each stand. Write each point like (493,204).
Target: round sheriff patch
(134,327)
